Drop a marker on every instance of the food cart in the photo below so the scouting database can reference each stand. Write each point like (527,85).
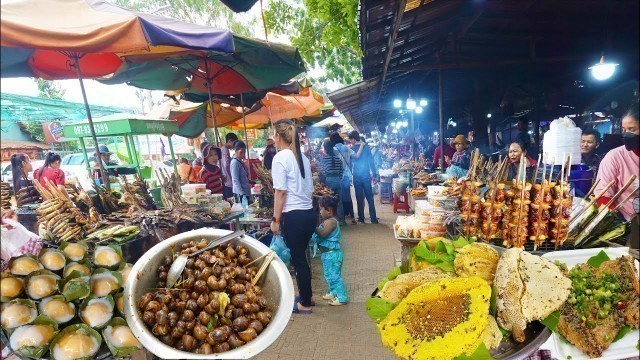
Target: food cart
(125,126)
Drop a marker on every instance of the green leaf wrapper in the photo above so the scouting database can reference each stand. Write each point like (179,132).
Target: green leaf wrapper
(82,328)
(378,308)
(118,352)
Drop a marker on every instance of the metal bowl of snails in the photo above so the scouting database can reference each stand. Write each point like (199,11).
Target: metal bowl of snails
(239,325)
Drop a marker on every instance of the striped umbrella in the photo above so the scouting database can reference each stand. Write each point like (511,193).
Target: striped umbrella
(64,39)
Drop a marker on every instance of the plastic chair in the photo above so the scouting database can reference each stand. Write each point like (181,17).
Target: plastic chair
(401,204)
(386,196)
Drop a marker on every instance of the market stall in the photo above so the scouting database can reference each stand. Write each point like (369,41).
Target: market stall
(503,242)
(124,126)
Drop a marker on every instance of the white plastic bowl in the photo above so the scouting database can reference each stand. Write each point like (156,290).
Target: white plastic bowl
(276,284)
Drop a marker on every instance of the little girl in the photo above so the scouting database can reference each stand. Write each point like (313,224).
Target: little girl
(327,237)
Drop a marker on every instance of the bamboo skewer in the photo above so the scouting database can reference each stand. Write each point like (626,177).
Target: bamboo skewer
(593,201)
(540,206)
(254,260)
(561,198)
(521,170)
(263,268)
(593,187)
(619,193)
(600,212)
(631,194)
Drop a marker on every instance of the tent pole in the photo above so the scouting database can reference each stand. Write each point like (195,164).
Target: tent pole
(105,174)
(244,120)
(440,116)
(213,115)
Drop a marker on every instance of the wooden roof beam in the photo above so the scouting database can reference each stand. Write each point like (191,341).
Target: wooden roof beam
(392,39)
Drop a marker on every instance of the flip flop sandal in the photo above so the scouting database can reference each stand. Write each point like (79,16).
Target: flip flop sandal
(297,300)
(299,311)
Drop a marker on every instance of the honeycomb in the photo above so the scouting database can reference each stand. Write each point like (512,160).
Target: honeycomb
(428,321)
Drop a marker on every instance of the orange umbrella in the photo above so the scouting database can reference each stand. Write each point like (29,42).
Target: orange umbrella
(277,107)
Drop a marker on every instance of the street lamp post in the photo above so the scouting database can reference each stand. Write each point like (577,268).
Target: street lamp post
(412,107)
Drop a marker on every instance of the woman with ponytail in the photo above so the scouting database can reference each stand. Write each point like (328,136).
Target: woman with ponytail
(51,170)
(293,214)
(20,168)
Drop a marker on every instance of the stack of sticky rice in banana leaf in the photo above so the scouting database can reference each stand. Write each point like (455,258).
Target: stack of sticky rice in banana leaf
(57,304)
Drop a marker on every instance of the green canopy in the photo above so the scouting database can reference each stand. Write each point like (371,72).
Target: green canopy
(254,65)
(120,124)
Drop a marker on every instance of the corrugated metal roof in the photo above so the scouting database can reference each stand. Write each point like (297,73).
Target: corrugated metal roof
(465,34)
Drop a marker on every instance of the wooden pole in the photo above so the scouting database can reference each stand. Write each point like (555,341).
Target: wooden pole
(441,117)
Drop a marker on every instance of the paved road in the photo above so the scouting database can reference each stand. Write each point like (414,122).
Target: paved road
(344,332)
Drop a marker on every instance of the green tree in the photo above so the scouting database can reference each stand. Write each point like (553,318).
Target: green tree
(48,89)
(324,31)
(204,12)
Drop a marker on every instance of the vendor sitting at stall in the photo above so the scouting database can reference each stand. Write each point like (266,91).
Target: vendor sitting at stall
(589,144)
(211,174)
(50,173)
(184,170)
(20,168)
(196,166)
(461,160)
(104,155)
(516,150)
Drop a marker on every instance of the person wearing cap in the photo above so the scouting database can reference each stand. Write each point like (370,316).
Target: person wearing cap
(211,173)
(103,155)
(240,173)
(461,160)
(462,157)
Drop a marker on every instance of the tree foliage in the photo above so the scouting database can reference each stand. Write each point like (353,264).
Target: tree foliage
(325,32)
(203,12)
(49,90)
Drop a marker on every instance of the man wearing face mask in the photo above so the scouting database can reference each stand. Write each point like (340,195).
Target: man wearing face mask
(620,163)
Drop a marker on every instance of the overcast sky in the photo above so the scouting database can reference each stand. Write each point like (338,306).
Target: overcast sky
(97,93)
(120,95)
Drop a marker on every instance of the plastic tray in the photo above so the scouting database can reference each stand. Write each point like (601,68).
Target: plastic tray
(622,349)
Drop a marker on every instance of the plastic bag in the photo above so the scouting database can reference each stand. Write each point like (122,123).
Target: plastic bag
(17,241)
(280,248)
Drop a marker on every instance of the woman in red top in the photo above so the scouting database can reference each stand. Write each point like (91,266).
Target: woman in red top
(51,171)
(211,174)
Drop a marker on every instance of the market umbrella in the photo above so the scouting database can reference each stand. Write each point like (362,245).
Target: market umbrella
(254,65)
(326,111)
(194,118)
(274,107)
(65,39)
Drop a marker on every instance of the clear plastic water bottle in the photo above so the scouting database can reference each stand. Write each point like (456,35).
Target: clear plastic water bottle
(245,204)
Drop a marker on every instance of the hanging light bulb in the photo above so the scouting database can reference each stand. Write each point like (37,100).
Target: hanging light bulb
(603,70)
(405,123)
(419,110)
(423,102)
(397,103)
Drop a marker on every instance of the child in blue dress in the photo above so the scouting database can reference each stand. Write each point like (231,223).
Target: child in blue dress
(327,238)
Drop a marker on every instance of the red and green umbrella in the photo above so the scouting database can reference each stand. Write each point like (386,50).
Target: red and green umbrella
(253,66)
(65,39)
(194,118)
